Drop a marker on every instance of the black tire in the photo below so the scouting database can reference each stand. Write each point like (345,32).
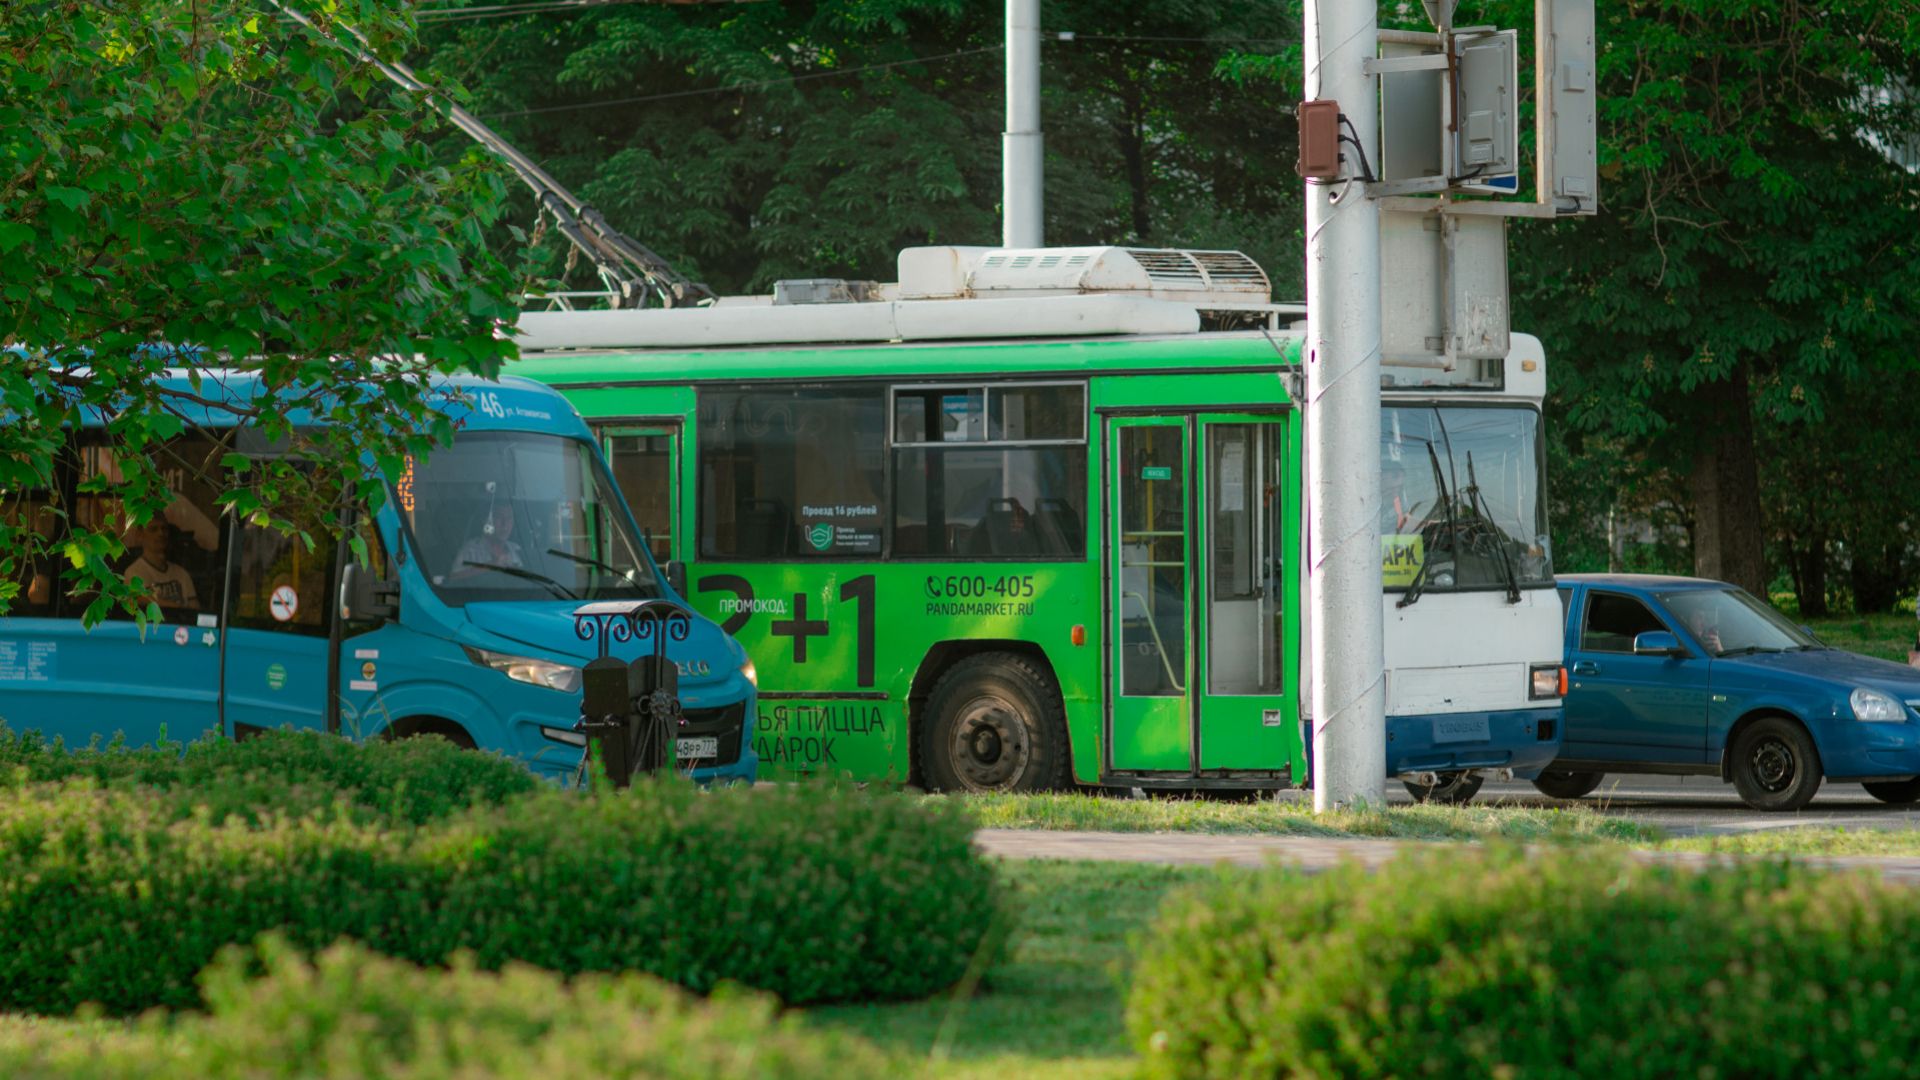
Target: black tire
(446,729)
(1895,791)
(994,723)
(1451,788)
(1565,784)
(1775,766)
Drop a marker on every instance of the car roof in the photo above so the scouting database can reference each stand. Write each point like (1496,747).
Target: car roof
(1642,581)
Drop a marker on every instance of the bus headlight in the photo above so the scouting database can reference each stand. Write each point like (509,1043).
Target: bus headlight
(1874,705)
(562,677)
(750,673)
(1546,681)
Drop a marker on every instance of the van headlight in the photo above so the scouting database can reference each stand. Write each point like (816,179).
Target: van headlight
(1874,705)
(562,677)
(749,672)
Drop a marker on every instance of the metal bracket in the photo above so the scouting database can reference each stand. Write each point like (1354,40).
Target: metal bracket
(1388,65)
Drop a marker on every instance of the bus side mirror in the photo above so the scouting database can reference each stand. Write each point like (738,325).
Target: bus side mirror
(677,577)
(366,598)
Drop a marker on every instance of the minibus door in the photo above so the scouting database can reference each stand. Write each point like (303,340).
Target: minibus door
(275,672)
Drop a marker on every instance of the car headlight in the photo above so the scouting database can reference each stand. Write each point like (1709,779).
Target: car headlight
(750,673)
(562,677)
(1874,705)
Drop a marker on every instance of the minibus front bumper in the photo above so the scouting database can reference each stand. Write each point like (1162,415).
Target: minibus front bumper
(1524,740)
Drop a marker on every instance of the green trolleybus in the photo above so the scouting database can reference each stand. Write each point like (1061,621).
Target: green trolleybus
(1028,518)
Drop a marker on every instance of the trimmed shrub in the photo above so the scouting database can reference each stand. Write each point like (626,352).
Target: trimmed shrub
(351,1013)
(293,772)
(812,893)
(1566,965)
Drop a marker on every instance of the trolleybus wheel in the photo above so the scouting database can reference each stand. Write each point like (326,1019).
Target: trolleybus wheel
(1894,791)
(1565,784)
(994,723)
(1775,765)
(1450,788)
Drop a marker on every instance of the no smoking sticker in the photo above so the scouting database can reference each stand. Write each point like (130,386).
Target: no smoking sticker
(283,603)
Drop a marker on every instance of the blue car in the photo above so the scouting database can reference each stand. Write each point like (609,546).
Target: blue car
(1687,676)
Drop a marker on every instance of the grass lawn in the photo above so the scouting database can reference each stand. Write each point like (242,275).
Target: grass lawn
(1051,1005)
(1491,821)
(1885,636)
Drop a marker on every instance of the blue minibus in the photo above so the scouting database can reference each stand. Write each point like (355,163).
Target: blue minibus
(460,624)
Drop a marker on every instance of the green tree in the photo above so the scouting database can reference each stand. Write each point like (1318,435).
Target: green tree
(203,184)
(1755,248)
(749,143)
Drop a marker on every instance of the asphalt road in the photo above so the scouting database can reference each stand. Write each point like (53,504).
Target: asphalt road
(1687,805)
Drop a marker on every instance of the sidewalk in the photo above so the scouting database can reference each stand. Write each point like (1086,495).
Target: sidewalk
(1314,854)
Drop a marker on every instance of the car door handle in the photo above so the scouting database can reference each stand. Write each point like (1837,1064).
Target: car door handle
(1586,667)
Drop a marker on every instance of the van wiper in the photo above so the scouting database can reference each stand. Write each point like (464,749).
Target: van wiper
(553,586)
(1419,582)
(1480,507)
(627,576)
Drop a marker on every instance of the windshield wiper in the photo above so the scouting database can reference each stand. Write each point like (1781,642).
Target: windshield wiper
(1419,582)
(1480,507)
(1749,650)
(555,587)
(627,576)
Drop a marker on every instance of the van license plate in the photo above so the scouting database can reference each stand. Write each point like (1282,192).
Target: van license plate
(1448,729)
(703,747)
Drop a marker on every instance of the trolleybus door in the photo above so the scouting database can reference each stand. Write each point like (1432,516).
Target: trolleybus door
(1197,557)
(645,461)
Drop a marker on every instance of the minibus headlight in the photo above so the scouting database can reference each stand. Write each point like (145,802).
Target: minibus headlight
(750,673)
(1874,705)
(1546,681)
(562,677)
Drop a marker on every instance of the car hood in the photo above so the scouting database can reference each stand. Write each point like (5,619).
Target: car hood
(1840,667)
(707,654)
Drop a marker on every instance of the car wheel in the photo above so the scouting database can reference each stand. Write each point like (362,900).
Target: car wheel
(1449,788)
(1895,791)
(1566,784)
(1775,766)
(994,723)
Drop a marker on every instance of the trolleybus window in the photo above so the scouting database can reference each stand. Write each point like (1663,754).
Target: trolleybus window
(789,472)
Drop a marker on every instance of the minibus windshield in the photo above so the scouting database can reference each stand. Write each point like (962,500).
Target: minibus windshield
(1460,498)
(521,516)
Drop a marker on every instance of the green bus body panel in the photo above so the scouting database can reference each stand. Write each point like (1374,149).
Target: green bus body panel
(839,643)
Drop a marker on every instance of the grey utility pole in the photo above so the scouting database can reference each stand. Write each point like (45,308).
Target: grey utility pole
(1343,425)
(1022,170)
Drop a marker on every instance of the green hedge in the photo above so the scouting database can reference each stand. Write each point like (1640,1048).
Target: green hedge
(297,773)
(349,1013)
(1455,964)
(813,893)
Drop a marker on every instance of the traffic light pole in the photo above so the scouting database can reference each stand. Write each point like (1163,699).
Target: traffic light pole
(1343,423)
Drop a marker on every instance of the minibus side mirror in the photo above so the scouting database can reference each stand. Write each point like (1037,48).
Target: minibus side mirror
(365,597)
(677,576)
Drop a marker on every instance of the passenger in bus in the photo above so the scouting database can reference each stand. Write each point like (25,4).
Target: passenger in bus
(166,582)
(491,545)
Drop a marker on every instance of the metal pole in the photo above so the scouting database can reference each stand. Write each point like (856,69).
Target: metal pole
(1343,426)
(1020,149)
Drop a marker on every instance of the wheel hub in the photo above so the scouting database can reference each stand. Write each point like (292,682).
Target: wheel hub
(1773,765)
(990,746)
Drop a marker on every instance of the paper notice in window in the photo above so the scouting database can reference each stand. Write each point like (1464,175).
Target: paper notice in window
(1400,557)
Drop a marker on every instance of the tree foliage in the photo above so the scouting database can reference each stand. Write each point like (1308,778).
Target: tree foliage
(200,185)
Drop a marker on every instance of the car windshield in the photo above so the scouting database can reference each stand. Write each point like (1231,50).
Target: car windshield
(1460,487)
(521,516)
(1730,622)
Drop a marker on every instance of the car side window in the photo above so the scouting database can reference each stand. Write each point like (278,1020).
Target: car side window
(1613,621)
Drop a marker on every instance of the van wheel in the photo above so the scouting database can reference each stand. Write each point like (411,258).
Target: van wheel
(994,722)
(1567,785)
(1775,766)
(1895,791)
(1449,789)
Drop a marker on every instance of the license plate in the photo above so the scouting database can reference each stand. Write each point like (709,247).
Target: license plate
(702,747)
(1448,729)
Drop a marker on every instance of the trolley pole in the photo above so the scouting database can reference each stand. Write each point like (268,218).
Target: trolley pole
(1343,425)
(1022,164)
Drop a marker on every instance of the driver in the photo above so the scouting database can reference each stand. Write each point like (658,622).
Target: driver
(1701,623)
(493,546)
(1395,513)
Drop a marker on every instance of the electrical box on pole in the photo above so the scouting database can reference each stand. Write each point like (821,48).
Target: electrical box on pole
(1486,133)
(1565,81)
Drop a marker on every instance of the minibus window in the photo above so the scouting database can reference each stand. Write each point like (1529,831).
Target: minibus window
(179,555)
(521,516)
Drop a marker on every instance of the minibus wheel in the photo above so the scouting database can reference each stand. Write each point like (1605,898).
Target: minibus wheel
(414,727)
(994,722)
(1449,788)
